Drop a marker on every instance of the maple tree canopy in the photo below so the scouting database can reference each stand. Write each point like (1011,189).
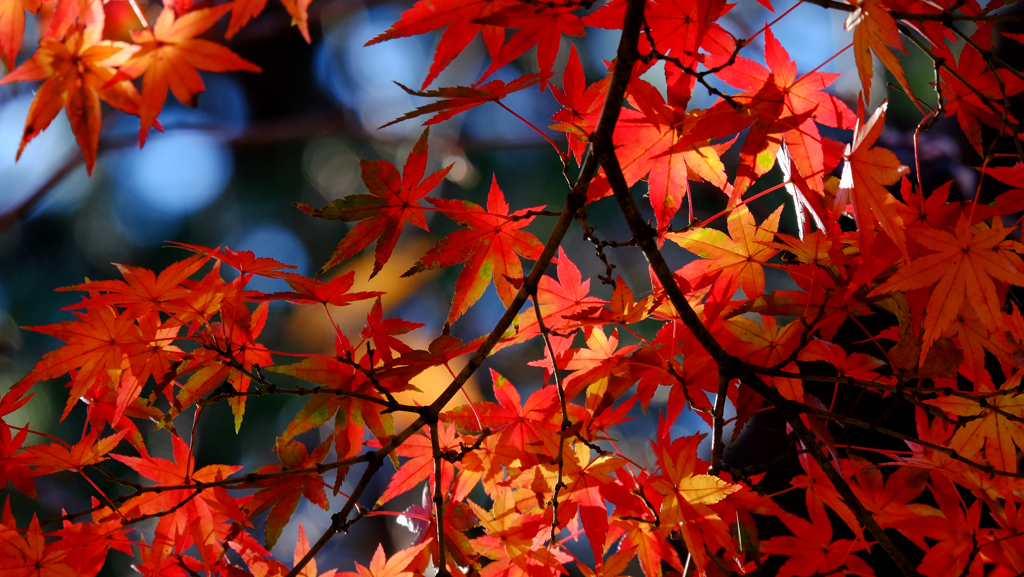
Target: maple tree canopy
(879,345)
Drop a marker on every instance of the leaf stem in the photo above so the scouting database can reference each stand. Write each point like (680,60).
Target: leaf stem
(563,156)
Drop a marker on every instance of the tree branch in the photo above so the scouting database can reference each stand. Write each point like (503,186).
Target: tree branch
(733,367)
(574,202)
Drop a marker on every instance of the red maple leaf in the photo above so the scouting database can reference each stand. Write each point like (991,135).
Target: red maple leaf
(458,99)
(309,291)
(11,470)
(88,544)
(200,517)
(420,464)
(30,555)
(679,28)
(492,244)
(961,101)
(242,11)
(382,332)
(786,109)
(49,459)
(581,105)
(461,20)
(558,300)
(244,261)
(812,549)
(281,495)
(541,26)
(394,201)
(524,430)
(655,142)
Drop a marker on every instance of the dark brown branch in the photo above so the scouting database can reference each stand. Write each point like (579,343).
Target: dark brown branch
(717,444)
(435,446)
(733,367)
(230,483)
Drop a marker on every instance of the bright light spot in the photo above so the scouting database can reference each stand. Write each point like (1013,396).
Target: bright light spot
(463,173)
(331,167)
(363,77)
(175,174)
(40,158)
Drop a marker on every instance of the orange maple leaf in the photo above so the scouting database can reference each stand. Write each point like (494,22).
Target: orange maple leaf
(623,308)
(586,485)
(875,30)
(196,516)
(738,259)
(492,244)
(767,344)
(239,335)
(301,548)
(509,533)
(964,268)
(997,429)
(380,566)
(599,369)
(866,173)
(688,496)
(79,72)
(171,57)
(12,26)
(95,347)
(142,290)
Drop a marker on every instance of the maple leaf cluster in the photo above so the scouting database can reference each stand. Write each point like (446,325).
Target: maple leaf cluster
(902,299)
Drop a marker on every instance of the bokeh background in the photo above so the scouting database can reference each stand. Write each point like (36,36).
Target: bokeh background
(227,171)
